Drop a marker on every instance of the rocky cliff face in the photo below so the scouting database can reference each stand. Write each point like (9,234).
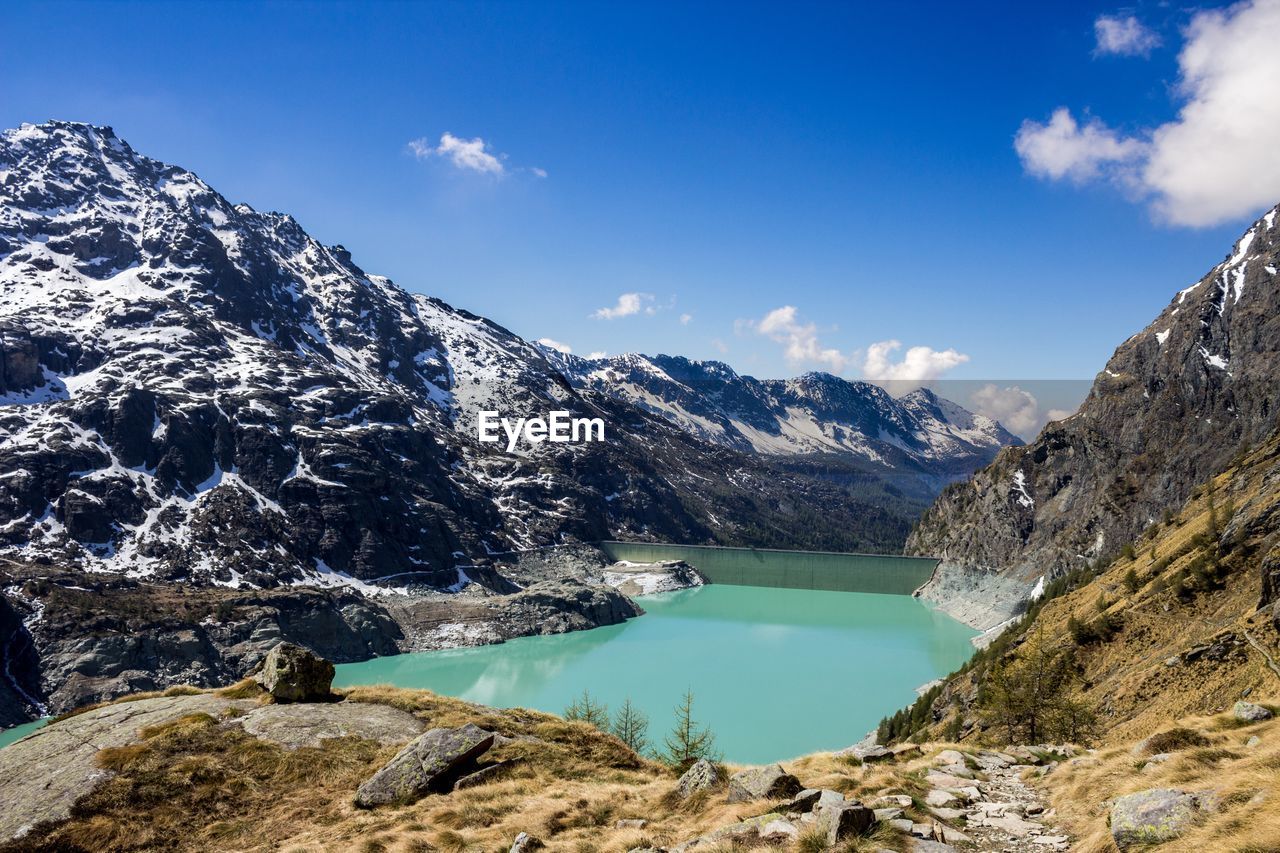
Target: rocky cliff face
(1175,403)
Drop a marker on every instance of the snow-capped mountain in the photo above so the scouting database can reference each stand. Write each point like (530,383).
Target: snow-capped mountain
(194,389)
(817,413)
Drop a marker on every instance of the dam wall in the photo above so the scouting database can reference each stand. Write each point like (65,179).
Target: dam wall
(878,573)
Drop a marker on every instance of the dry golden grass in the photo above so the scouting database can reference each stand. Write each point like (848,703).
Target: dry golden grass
(199,785)
(1245,781)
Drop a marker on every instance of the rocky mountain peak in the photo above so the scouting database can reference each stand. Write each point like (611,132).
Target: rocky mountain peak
(194,390)
(1174,404)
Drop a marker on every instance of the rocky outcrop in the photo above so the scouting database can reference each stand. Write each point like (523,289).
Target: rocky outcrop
(1175,404)
(309,725)
(98,637)
(702,775)
(293,674)
(760,783)
(1250,712)
(1152,817)
(428,763)
(650,578)
(65,753)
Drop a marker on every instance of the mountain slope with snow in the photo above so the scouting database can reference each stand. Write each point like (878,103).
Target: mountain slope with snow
(195,390)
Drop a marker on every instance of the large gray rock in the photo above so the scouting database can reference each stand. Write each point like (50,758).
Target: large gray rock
(703,775)
(1251,712)
(1152,817)
(760,783)
(309,724)
(293,674)
(426,764)
(838,821)
(47,771)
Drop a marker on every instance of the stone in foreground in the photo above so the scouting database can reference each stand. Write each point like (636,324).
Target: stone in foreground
(1152,817)
(425,765)
(760,783)
(293,674)
(702,775)
(1251,712)
(844,820)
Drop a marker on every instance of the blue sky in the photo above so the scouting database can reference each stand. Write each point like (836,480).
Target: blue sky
(725,161)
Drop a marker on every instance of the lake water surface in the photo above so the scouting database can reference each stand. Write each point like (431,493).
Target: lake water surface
(776,673)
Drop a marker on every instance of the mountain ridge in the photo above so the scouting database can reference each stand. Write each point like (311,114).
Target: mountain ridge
(1174,404)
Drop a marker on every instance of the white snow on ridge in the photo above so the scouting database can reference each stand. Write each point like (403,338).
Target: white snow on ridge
(1161,337)
(1020,486)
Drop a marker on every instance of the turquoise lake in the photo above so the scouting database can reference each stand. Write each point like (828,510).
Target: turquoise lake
(776,673)
(8,736)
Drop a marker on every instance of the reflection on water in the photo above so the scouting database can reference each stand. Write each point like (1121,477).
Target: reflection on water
(775,672)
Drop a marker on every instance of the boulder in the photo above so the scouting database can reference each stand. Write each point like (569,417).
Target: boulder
(938,798)
(888,813)
(1250,712)
(868,752)
(1152,817)
(760,783)
(631,823)
(839,821)
(428,763)
(949,757)
(293,674)
(703,775)
(525,843)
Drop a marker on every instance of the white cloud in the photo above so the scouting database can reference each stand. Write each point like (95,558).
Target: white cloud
(720,345)
(918,363)
(1061,148)
(541,173)
(1215,162)
(598,354)
(1123,36)
(467,154)
(627,304)
(1017,409)
(1059,414)
(686,319)
(799,340)
(555,345)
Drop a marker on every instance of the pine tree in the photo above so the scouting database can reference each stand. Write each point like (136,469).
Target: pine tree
(587,710)
(688,741)
(631,726)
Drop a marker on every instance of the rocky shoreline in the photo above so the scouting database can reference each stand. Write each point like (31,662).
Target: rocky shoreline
(72,638)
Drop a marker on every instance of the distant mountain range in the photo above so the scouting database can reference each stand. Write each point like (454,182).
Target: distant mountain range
(195,390)
(816,413)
